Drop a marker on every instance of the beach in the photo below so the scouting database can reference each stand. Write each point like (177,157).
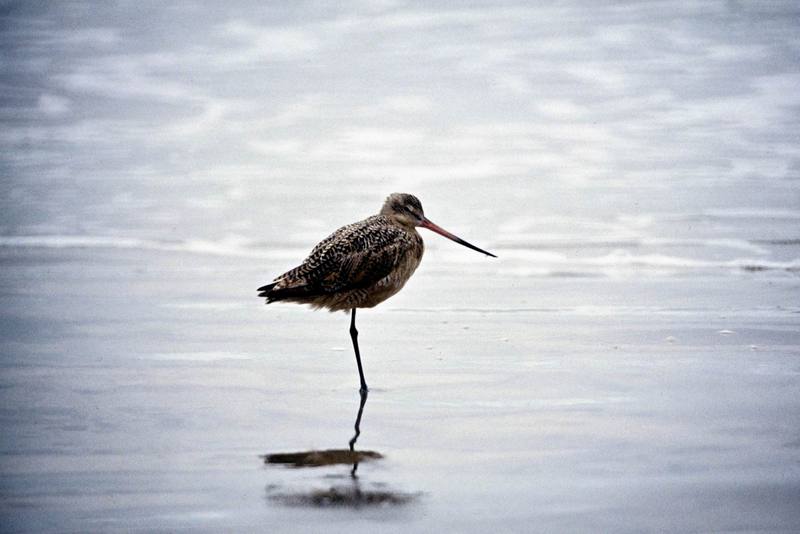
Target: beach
(133,400)
(630,361)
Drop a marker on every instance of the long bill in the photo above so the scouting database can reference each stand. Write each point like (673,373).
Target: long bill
(441,231)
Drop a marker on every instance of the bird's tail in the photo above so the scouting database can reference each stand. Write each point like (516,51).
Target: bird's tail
(272,293)
(266,291)
(263,291)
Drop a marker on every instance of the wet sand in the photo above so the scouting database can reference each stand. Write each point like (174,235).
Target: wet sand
(629,363)
(140,391)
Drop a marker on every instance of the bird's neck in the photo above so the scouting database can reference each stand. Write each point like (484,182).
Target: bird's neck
(400,223)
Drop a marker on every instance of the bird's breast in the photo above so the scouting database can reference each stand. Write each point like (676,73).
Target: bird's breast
(409,262)
(406,264)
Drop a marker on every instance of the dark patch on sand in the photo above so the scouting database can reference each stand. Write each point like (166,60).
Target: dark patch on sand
(321,458)
(344,497)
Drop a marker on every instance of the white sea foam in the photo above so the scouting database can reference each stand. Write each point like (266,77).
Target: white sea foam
(74,241)
(736,244)
(512,261)
(572,241)
(752,213)
(619,262)
(229,246)
(197,356)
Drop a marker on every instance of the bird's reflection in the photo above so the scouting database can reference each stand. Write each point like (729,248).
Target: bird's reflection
(357,428)
(320,458)
(346,495)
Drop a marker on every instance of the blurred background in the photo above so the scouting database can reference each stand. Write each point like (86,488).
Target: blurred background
(628,363)
(573,138)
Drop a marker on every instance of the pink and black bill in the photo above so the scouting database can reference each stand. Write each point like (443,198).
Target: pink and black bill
(441,231)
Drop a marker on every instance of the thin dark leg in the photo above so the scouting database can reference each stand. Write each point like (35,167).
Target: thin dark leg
(354,337)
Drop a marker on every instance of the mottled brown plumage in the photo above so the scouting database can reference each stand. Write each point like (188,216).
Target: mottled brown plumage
(358,266)
(362,264)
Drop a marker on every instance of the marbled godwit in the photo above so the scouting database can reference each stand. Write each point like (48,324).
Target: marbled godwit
(362,264)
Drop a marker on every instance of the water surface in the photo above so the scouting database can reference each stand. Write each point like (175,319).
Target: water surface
(628,363)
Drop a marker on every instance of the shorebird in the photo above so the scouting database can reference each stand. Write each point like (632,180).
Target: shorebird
(362,264)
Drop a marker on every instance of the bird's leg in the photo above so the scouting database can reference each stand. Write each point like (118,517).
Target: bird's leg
(354,337)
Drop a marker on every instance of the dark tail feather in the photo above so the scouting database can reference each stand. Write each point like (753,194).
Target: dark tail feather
(264,291)
(271,294)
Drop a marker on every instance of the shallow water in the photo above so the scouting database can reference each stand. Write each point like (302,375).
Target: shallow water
(140,395)
(628,363)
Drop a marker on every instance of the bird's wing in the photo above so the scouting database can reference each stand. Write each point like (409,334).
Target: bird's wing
(353,257)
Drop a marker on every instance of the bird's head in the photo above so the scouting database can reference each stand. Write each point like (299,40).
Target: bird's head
(403,209)
(406,210)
